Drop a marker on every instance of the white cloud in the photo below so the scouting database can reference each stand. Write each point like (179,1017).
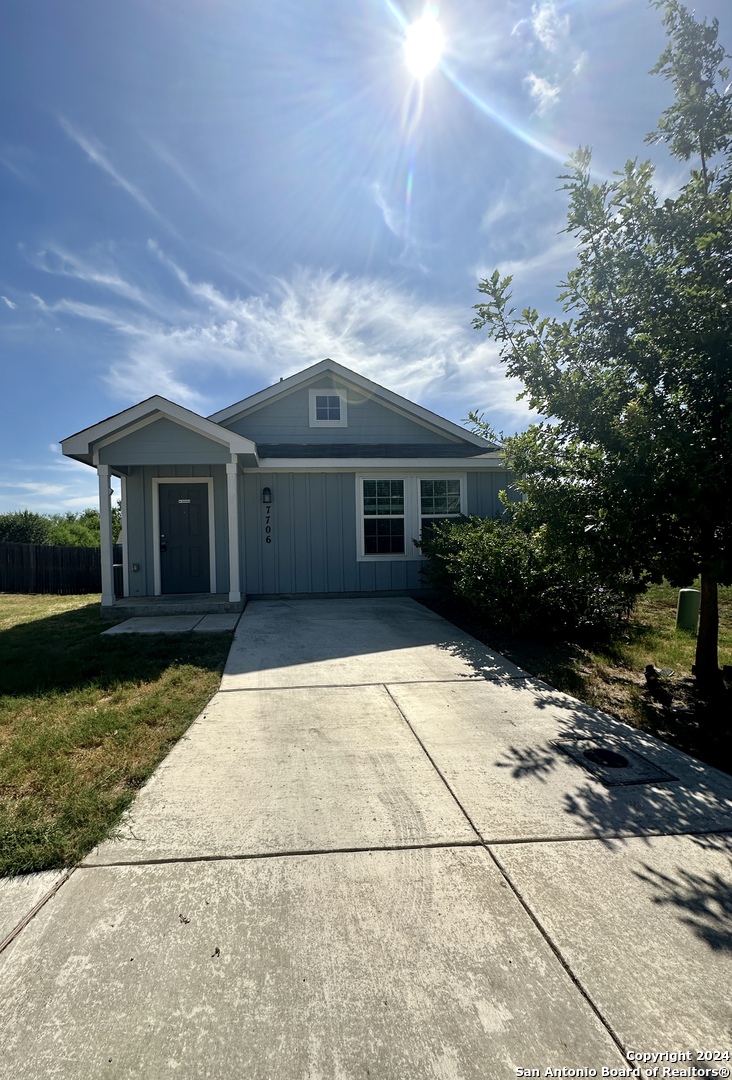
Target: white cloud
(10,303)
(397,223)
(16,159)
(426,351)
(550,28)
(393,220)
(168,158)
(34,488)
(555,255)
(75,489)
(91,312)
(547,38)
(97,155)
(580,63)
(61,262)
(500,208)
(543,92)
(52,484)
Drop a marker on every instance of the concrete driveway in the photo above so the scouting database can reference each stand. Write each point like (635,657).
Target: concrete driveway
(382,851)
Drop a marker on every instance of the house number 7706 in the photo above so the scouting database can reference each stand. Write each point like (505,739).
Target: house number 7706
(267,525)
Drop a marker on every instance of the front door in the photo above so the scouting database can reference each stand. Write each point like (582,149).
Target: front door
(184,543)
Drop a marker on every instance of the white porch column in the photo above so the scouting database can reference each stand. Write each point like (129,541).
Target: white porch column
(232,491)
(123,540)
(105,526)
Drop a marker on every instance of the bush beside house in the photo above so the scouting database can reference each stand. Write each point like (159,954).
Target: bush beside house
(515,579)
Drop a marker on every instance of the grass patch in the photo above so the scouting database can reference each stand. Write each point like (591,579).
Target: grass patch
(612,676)
(84,721)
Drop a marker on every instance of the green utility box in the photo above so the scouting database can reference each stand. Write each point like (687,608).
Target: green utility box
(687,613)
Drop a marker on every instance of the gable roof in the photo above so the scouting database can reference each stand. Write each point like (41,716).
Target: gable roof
(387,397)
(81,445)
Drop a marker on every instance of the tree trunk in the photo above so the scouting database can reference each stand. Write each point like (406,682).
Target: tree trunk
(706,668)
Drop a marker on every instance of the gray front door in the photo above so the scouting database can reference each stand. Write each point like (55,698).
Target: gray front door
(184,546)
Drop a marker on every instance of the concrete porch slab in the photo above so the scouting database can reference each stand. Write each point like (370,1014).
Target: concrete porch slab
(287,771)
(418,963)
(211,624)
(173,604)
(154,624)
(340,642)
(646,926)
(497,744)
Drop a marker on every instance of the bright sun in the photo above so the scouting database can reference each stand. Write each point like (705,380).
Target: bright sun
(424,44)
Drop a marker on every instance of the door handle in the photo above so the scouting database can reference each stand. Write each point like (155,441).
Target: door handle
(163,546)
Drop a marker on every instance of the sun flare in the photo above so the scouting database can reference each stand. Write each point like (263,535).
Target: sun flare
(424,44)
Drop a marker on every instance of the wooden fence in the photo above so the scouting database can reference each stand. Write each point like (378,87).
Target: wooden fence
(46,568)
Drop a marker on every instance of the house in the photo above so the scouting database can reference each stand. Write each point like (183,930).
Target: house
(316,486)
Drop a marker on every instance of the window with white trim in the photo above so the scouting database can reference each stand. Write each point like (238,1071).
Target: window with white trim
(383,517)
(438,500)
(328,408)
(395,510)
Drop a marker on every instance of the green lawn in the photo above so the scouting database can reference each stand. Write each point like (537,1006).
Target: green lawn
(84,721)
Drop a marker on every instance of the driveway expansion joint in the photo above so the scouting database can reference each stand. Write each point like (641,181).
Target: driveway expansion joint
(559,956)
(476,680)
(18,929)
(295,853)
(429,757)
(604,837)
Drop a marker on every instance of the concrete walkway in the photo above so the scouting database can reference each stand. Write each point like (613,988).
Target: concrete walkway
(174,624)
(381,851)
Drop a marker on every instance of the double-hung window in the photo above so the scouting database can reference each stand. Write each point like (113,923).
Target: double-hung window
(394,511)
(383,517)
(438,499)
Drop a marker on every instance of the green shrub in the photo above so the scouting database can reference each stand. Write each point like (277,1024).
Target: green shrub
(25,527)
(70,529)
(516,580)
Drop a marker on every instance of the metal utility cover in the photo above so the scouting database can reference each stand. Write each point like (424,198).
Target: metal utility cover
(610,761)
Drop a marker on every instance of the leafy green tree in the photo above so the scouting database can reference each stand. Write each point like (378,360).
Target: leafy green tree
(70,529)
(24,527)
(633,469)
(82,529)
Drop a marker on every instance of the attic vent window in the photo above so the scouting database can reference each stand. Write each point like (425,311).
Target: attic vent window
(327,408)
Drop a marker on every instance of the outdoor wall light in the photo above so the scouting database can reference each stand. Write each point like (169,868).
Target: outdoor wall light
(266,496)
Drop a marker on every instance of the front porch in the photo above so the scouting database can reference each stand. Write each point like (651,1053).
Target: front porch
(179,476)
(128,607)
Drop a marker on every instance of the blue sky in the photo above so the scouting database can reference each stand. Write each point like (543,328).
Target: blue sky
(201,196)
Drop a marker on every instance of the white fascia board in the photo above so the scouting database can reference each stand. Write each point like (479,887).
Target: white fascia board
(146,412)
(380,464)
(397,402)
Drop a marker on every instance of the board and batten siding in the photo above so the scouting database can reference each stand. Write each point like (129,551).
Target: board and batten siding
(140,538)
(484,489)
(288,421)
(313,542)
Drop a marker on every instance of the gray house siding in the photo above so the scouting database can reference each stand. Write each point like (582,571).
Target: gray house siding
(140,539)
(483,490)
(313,537)
(287,420)
(313,543)
(163,442)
